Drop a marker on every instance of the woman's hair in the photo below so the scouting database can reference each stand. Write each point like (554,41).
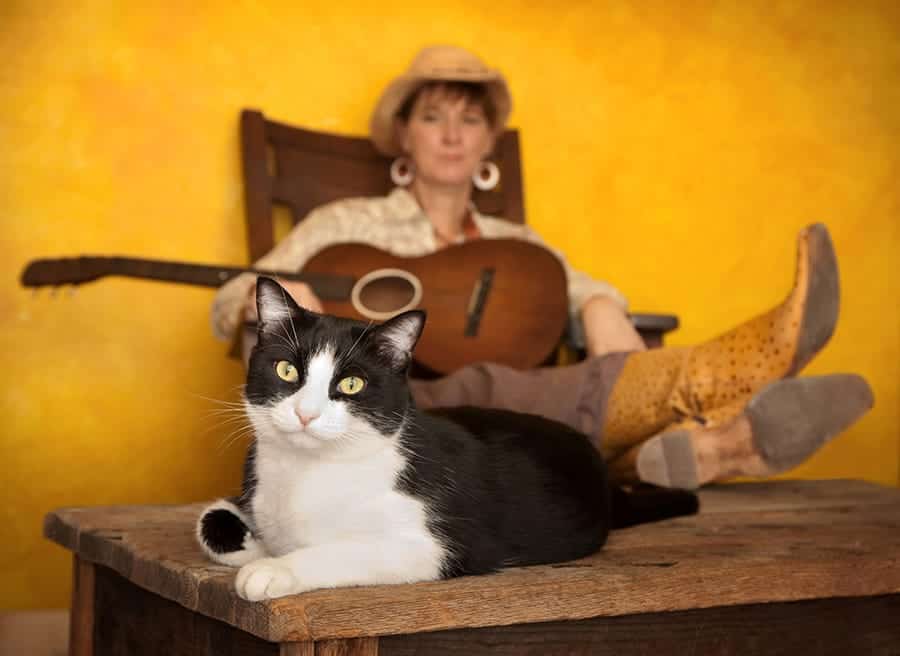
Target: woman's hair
(474,93)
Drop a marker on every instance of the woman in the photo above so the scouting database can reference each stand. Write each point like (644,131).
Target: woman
(677,417)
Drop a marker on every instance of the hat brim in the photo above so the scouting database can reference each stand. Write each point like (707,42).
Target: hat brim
(382,128)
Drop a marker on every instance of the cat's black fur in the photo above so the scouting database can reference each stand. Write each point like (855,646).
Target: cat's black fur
(501,488)
(528,490)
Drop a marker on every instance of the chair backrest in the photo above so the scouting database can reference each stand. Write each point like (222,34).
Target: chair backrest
(303,169)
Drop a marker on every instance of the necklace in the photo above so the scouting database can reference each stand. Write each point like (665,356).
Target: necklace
(468,230)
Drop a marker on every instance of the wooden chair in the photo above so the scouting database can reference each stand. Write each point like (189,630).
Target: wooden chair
(303,169)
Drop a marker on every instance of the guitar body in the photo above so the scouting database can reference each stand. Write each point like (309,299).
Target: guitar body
(497,300)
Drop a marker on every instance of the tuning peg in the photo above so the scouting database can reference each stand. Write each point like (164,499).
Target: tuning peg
(35,292)
(54,291)
(70,290)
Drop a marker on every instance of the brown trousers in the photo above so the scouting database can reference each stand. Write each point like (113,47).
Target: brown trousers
(575,395)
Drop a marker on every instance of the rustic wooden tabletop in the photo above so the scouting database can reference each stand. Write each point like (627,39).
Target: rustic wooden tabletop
(751,543)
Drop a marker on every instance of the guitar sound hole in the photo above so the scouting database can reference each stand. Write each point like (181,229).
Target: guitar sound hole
(387,295)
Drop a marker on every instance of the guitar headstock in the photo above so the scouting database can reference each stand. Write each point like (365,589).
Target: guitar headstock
(64,271)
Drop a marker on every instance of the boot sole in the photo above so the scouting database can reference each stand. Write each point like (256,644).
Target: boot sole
(790,420)
(822,301)
(793,418)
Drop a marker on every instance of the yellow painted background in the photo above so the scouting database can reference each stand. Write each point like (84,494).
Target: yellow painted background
(672,148)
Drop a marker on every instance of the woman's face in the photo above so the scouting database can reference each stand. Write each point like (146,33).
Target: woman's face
(446,137)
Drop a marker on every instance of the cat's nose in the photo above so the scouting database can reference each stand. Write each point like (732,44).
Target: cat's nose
(305,418)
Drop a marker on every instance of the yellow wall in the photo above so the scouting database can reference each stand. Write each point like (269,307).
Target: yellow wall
(673,151)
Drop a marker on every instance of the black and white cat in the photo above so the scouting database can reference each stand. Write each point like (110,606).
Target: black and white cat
(348,483)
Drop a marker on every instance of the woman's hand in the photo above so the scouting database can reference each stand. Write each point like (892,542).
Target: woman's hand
(607,329)
(299,291)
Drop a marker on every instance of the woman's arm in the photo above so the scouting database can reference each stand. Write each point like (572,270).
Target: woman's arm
(600,307)
(607,328)
(308,237)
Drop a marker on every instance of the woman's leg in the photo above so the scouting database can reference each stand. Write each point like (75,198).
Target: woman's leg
(702,405)
(664,386)
(776,430)
(656,388)
(710,419)
(575,395)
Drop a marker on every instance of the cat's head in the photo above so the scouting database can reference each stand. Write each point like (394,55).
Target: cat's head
(319,382)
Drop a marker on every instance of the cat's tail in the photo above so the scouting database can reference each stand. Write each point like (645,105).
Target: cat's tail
(642,504)
(224,533)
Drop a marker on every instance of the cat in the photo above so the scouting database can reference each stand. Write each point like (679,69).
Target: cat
(348,483)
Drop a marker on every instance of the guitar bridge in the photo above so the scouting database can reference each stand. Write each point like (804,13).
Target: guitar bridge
(477,301)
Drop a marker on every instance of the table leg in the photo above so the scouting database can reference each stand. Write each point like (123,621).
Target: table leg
(348,647)
(81,627)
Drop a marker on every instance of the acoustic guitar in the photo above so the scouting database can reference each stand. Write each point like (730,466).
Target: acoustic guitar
(498,300)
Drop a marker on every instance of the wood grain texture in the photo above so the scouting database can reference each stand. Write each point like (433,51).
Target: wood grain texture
(348,647)
(81,625)
(258,185)
(832,627)
(751,544)
(131,621)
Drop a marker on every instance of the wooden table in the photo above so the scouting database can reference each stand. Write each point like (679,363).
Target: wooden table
(791,567)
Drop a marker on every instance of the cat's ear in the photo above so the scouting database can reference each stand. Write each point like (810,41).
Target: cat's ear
(274,304)
(396,338)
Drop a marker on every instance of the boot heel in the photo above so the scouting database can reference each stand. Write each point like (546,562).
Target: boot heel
(669,460)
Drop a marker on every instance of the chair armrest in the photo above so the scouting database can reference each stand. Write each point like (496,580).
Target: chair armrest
(651,328)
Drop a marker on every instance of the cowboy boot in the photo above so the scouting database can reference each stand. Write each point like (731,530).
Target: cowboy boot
(778,429)
(660,387)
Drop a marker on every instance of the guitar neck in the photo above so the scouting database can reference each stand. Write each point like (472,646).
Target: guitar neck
(326,286)
(78,270)
(192,274)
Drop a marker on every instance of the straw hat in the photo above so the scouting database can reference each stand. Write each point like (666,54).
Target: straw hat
(435,63)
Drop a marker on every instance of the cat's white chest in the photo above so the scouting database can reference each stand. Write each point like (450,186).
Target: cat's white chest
(305,501)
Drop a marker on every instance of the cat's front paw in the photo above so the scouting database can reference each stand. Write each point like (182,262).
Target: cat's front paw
(266,578)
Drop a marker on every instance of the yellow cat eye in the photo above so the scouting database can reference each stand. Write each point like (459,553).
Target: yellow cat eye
(286,371)
(351,385)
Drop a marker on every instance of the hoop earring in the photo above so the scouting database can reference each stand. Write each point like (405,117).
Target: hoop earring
(487,176)
(402,172)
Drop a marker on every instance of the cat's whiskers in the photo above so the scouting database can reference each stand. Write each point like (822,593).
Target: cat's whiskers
(220,402)
(231,415)
(233,437)
(222,418)
(227,445)
(415,454)
(223,448)
(407,417)
(446,473)
(285,341)
(232,423)
(227,407)
(226,422)
(237,409)
(231,411)
(347,355)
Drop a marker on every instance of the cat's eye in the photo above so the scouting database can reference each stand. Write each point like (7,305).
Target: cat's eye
(286,371)
(351,385)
